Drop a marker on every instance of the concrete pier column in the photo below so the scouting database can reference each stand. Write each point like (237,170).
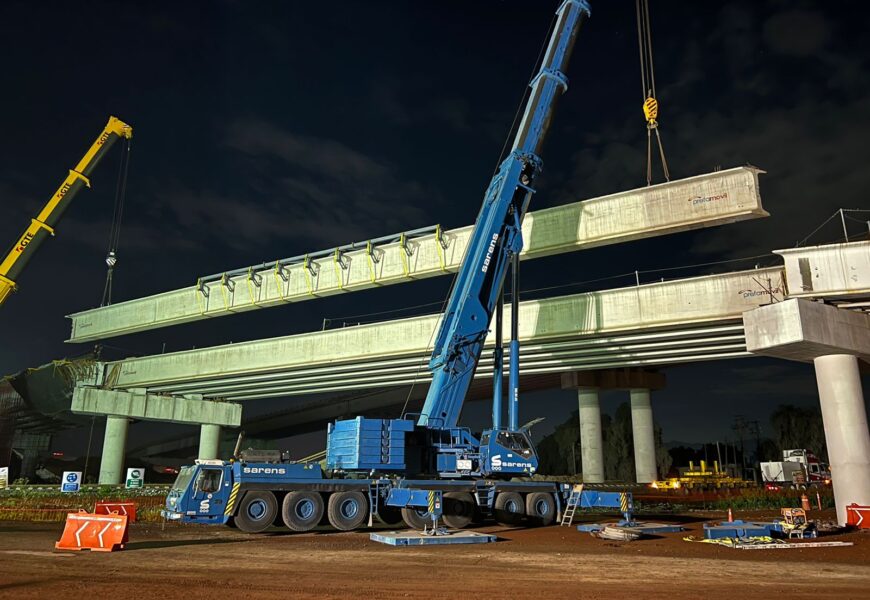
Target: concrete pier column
(34,449)
(846,433)
(114,446)
(209,440)
(642,432)
(591,443)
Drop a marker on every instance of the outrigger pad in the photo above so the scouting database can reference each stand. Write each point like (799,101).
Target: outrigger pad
(418,538)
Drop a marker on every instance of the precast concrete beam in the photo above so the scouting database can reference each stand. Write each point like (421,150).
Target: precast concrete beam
(832,271)
(656,323)
(591,439)
(138,404)
(697,202)
(803,330)
(643,436)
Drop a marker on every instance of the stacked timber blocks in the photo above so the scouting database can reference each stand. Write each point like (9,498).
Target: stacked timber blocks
(366,444)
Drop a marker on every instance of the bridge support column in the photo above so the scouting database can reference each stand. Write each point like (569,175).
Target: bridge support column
(642,433)
(209,440)
(591,442)
(832,339)
(846,433)
(33,448)
(114,445)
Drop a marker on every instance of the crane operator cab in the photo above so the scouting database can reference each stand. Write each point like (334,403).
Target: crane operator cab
(508,452)
(200,492)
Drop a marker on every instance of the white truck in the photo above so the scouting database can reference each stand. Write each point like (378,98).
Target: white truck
(798,467)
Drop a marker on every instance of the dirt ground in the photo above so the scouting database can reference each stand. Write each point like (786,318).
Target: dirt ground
(551,562)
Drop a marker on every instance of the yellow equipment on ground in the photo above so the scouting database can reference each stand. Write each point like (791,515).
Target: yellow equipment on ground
(702,478)
(43,225)
(794,522)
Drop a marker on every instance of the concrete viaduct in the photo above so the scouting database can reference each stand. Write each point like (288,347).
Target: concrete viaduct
(702,318)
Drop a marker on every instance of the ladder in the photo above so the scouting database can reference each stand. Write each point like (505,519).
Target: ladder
(572,504)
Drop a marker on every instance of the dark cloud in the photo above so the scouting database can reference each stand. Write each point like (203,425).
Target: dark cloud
(797,32)
(325,190)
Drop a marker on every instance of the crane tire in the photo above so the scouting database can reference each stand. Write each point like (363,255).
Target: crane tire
(256,511)
(347,510)
(540,509)
(416,518)
(302,511)
(509,508)
(458,509)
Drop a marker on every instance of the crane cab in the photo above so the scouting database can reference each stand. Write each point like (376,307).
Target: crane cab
(200,493)
(505,452)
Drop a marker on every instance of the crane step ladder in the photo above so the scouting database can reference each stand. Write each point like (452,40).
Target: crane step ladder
(571,505)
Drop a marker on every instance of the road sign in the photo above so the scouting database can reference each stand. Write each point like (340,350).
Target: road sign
(71,482)
(135,478)
(4,478)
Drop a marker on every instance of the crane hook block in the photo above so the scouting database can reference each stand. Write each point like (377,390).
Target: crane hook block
(651,109)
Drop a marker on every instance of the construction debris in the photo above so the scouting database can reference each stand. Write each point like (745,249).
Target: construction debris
(763,542)
(619,534)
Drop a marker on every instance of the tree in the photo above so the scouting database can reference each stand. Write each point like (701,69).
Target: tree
(796,427)
(619,446)
(557,450)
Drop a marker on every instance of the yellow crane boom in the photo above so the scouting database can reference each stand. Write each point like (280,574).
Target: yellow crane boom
(43,225)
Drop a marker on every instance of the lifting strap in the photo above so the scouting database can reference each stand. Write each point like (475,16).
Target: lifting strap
(648,89)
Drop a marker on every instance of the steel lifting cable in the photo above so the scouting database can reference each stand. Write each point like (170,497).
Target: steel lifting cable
(117,217)
(648,89)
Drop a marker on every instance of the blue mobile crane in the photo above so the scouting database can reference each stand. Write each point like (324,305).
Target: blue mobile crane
(385,468)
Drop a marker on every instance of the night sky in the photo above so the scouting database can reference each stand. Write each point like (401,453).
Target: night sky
(264,130)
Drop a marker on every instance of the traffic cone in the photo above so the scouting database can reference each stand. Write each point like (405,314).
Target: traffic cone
(730,516)
(805,502)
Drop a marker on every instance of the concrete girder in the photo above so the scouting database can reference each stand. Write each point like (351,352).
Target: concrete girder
(832,271)
(137,404)
(614,328)
(693,203)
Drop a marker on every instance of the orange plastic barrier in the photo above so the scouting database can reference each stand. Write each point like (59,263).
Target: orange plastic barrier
(100,533)
(858,516)
(122,508)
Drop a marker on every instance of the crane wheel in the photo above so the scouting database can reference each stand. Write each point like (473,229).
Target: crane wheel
(416,518)
(458,509)
(302,511)
(347,510)
(540,509)
(509,508)
(257,511)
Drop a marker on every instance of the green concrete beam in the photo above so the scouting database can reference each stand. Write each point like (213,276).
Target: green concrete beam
(137,404)
(697,202)
(567,332)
